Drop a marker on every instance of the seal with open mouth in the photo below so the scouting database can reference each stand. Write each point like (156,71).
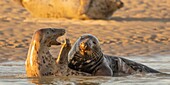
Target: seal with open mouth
(86,56)
(39,60)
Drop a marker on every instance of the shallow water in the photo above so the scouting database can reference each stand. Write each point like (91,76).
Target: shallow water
(14,73)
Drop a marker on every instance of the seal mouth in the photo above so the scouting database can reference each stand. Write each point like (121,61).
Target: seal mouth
(60,40)
(57,40)
(58,36)
(54,41)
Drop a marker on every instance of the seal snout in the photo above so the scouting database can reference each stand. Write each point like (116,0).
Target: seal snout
(84,46)
(57,34)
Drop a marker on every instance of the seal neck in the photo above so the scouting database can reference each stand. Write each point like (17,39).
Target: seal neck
(38,52)
(93,65)
(85,63)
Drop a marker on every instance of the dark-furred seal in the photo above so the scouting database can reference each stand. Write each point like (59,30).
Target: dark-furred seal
(86,56)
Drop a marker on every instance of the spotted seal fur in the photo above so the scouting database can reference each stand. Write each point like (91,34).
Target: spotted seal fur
(79,9)
(86,56)
(39,60)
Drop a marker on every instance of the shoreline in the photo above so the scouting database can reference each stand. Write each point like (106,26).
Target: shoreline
(141,28)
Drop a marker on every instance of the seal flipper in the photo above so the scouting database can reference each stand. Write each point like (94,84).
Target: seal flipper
(62,59)
(134,66)
(62,62)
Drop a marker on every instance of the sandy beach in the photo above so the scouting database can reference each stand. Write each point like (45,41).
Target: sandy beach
(140,28)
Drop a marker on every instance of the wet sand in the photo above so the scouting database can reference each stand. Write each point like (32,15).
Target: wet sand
(141,28)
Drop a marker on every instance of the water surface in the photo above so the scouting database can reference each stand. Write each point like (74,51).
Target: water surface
(14,73)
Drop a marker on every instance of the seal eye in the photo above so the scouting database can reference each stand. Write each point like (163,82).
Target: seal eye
(81,37)
(47,32)
(94,42)
(52,30)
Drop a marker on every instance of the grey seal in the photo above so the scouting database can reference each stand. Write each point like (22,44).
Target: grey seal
(86,56)
(72,9)
(39,60)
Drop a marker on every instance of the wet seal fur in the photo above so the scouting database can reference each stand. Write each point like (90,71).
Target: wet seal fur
(86,56)
(78,9)
(39,60)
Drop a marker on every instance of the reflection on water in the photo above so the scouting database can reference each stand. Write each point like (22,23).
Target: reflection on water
(14,73)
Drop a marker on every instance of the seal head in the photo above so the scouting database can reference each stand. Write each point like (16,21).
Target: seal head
(86,45)
(85,53)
